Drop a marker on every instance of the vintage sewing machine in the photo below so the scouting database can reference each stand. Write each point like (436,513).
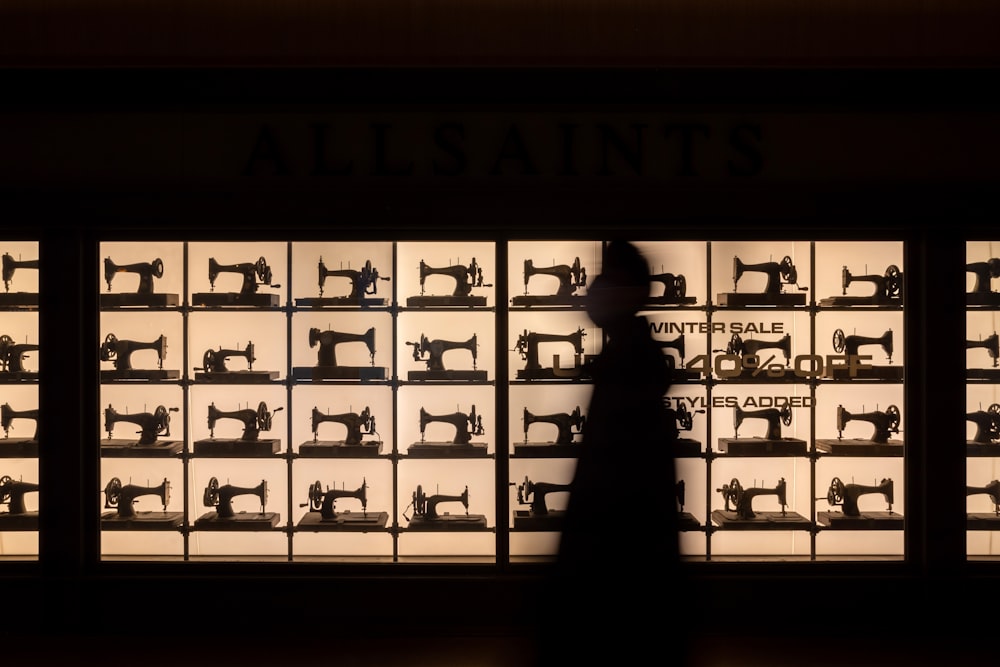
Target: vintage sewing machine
(778,275)
(851,517)
(538,516)
(353,445)
(461,446)
(888,289)
(225,517)
(123,498)
(992,346)
(322,514)
(119,351)
(151,426)
(855,368)
(739,512)
(685,520)
(771,443)
(249,443)
(982,293)
(674,290)
(327,368)
(761,369)
(364,282)
(144,294)
(248,295)
(466,278)
(984,520)
(570,277)
(12,356)
(527,346)
(426,516)
(17,516)
(677,370)
(18,447)
(13,299)
(879,444)
(432,352)
(214,368)
(684,421)
(568,425)
(987,430)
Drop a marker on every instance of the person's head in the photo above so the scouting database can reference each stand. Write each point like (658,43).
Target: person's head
(622,287)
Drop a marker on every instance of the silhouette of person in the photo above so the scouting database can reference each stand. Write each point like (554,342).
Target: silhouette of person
(618,551)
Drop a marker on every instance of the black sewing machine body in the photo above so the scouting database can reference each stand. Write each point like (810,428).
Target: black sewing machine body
(527,346)
(852,517)
(145,294)
(772,443)
(538,516)
(984,520)
(12,359)
(674,292)
(569,427)
(10,299)
(327,368)
(17,516)
(986,440)
(676,364)
(432,353)
(322,514)
(465,278)
(884,424)
(215,367)
(119,352)
(685,520)
(363,286)
(887,289)
(427,517)
(254,274)
(683,419)
(151,425)
(739,513)
(249,443)
(466,425)
(850,346)
(122,499)
(570,278)
(982,292)
(779,274)
(225,517)
(764,367)
(353,445)
(22,447)
(992,346)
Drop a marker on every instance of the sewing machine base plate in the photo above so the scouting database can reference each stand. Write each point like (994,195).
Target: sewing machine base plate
(859,447)
(346,301)
(730,520)
(873,373)
(140,374)
(237,377)
(686,521)
(448,522)
(235,299)
(671,300)
(16,448)
(867,521)
(319,373)
(982,448)
(982,521)
(469,376)
(577,373)
(982,374)
(546,450)
(236,448)
(982,299)
(116,448)
(142,521)
(346,521)
(446,450)
(466,301)
(18,376)
(337,449)
(23,521)
(760,299)
(547,300)
(873,300)
(527,520)
(762,447)
(241,521)
(140,300)
(10,299)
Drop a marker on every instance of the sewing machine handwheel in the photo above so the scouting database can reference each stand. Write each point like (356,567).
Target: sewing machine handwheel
(994,409)
(157,267)
(263,416)
(208,361)
(735,344)
(6,341)
(315,496)
(893,412)
(838,340)
(835,494)
(786,415)
(110,339)
(261,267)
(211,494)
(5,480)
(680,285)
(112,492)
(788,270)
(893,280)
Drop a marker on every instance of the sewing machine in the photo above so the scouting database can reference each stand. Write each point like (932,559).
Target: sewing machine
(771,443)
(984,520)
(119,351)
(684,421)
(982,293)
(677,371)
(432,352)
(358,425)
(762,369)
(426,516)
(992,346)
(527,346)
(225,517)
(252,272)
(364,282)
(18,447)
(888,289)
(570,278)
(144,294)
(249,443)
(322,514)
(327,368)
(465,277)
(849,345)
(740,514)
(214,369)
(461,446)
(538,517)
(674,290)
(17,516)
(122,499)
(879,444)
(15,299)
(987,435)
(778,275)
(685,520)
(568,425)
(851,517)
(12,356)
(151,426)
